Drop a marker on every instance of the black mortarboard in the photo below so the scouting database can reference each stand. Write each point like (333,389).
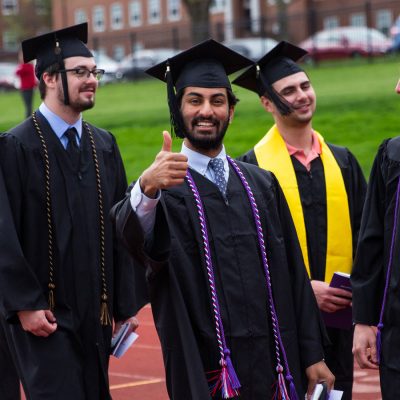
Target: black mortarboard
(52,47)
(206,64)
(273,66)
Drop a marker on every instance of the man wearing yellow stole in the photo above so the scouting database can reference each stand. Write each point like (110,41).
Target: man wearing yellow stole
(323,184)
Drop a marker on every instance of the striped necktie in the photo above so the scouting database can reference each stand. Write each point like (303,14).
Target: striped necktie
(217,165)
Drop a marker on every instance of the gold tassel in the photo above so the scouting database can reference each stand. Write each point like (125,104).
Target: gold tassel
(104,314)
(52,304)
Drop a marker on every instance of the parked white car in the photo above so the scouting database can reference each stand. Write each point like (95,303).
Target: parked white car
(253,48)
(110,66)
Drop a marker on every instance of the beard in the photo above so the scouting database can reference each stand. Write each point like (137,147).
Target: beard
(78,105)
(206,142)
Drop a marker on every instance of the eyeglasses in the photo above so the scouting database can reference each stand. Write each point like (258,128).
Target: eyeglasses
(82,73)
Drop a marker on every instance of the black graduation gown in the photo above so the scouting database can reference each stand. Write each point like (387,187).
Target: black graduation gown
(9,382)
(179,288)
(312,192)
(370,268)
(77,354)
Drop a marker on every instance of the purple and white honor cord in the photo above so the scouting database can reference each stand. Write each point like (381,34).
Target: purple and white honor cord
(227,380)
(233,383)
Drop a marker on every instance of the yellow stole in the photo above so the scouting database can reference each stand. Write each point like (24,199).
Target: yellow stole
(272,154)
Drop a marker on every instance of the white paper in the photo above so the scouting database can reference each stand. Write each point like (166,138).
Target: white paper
(124,345)
(333,395)
(121,342)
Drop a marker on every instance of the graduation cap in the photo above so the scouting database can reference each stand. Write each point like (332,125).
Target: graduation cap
(273,66)
(53,47)
(206,65)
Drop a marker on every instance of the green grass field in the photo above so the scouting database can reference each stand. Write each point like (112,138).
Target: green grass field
(356,107)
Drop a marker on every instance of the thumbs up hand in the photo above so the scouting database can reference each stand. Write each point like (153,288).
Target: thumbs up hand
(167,170)
(167,142)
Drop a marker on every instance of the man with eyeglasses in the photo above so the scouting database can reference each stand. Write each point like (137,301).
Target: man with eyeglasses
(68,281)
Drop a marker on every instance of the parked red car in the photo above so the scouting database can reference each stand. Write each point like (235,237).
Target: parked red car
(345,42)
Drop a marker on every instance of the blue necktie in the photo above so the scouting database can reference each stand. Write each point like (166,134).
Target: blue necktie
(72,147)
(217,165)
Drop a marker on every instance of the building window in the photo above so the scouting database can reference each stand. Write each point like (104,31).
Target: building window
(117,16)
(217,6)
(384,20)
(99,24)
(331,22)
(154,11)
(273,2)
(118,52)
(80,16)
(10,7)
(41,7)
(174,10)
(10,41)
(357,19)
(135,13)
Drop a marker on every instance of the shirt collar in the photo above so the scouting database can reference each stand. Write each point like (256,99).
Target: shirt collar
(58,125)
(199,162)
(315,146)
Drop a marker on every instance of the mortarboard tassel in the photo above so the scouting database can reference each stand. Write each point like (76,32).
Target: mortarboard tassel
(104,314)
(52,303)
(174,111)
(284,107)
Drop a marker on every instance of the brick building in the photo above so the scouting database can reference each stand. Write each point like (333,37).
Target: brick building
(20,19)
(118,27)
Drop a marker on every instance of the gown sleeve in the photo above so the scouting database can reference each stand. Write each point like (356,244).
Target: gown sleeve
(19,287)
(129,280)
(129,231)
(367,275)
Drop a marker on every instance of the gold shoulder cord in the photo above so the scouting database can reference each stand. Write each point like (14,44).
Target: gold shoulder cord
(104,313)
(51,284)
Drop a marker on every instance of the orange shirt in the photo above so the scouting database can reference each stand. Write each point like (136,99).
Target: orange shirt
(300,155)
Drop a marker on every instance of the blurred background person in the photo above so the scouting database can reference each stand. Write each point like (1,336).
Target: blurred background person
(28,82)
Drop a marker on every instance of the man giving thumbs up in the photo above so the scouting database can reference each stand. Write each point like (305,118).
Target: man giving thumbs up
(231,299)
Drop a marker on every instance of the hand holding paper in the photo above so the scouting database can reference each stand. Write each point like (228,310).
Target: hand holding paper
(123,339)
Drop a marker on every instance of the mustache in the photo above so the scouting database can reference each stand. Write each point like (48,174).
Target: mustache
(88,86)
(196,120)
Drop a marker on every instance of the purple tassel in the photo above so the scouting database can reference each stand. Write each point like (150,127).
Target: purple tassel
(226,379)
(281,391)
(234,380)
(379,342)
(292,388)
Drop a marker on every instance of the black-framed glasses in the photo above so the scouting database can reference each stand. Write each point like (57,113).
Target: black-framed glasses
(82,72)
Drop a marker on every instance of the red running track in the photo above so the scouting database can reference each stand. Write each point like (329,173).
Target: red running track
(139,374)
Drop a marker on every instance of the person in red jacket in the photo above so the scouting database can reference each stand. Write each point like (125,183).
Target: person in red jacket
(28,82)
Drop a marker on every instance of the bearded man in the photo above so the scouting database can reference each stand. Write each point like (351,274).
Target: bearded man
(232,303)
(64,280)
